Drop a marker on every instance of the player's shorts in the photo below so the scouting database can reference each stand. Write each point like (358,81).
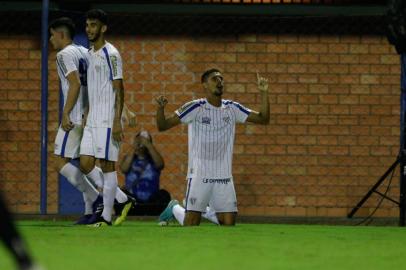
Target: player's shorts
(218,193)
(99,143)
(67,143)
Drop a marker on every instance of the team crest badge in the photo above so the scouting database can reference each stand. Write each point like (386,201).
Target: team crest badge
(206,120)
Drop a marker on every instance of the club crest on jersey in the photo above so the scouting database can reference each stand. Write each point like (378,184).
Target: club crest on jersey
(98,68)
(206,120)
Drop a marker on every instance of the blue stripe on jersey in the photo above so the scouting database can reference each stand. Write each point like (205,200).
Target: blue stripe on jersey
(108,62)
(187,192)
(189,110)
(241,108)
(65,139)
(106,154)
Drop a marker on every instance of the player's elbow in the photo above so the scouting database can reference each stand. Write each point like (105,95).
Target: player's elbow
(264,119)
(161,127)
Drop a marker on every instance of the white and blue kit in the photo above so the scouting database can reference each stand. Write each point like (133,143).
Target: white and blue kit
(72,58)
(105,65)
(211,132)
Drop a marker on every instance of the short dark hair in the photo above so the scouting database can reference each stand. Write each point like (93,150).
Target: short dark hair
(97,14)
(207,73)
(64,22)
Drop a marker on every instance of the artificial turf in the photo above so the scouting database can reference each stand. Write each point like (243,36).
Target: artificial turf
(144,245)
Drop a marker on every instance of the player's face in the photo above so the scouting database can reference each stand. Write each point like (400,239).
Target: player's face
(94,29)
(215,83)
(56,39)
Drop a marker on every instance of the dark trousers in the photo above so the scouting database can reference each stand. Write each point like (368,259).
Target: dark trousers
(153,207)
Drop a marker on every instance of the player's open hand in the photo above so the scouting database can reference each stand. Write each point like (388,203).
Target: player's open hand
(162,101)
(117,131)
(66,123)
(262,83)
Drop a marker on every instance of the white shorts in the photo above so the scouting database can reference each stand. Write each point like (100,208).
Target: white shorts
(99,143)
(67,143)
(218,193)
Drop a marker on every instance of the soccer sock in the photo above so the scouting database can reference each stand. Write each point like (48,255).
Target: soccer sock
(78,179)
(211,215)
(12,239)
(96,175)
(109,193)
(121,197)
(88,204)
(179,213)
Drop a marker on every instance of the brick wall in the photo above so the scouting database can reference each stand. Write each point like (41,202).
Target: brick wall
(334,116)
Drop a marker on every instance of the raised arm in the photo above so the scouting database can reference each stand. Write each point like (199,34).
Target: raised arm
(153,152)
(261,117)
(125,163)
(162,122)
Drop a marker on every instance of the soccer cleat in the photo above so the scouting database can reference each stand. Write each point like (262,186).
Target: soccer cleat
(96,204)
(100,222)
(84,220)
(124,212)
(167,214)
(97,214)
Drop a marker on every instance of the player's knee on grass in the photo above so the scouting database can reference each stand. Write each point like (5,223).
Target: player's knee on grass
(192,218)
(87,164)
(227,219)
(107,165)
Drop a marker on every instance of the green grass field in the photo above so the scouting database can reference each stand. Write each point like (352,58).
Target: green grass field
(144,245)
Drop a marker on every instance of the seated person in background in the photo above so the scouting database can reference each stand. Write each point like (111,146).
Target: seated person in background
(142,167)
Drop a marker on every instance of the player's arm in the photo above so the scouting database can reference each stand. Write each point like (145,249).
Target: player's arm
(261,117)
(73,94)
(118,88)
(162,122)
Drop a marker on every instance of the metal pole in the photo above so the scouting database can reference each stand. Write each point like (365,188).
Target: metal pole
(44,105)
(402,199)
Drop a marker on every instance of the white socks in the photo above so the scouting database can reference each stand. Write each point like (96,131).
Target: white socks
(109,193)
(98,178)
(78,180)
(211,215)
(179,213)
(96,175)
(121,197)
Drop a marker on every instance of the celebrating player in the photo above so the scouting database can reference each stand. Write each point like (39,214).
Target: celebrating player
(103,131)
(71,62)
(211,132)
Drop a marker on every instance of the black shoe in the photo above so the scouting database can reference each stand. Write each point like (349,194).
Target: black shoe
(100,222)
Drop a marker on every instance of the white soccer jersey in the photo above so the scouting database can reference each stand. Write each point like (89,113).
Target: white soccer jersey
(105,65)
(73,58)
(211,133)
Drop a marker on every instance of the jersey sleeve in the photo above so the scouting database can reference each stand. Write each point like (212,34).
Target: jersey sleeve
(187,112)
(116,64)
(240,111)
(66,63)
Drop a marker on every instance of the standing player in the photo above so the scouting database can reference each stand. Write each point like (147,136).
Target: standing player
(211,128)
(103,131)
(71,62)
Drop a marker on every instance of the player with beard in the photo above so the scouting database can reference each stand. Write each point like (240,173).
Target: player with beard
(103,131)
(211,128)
